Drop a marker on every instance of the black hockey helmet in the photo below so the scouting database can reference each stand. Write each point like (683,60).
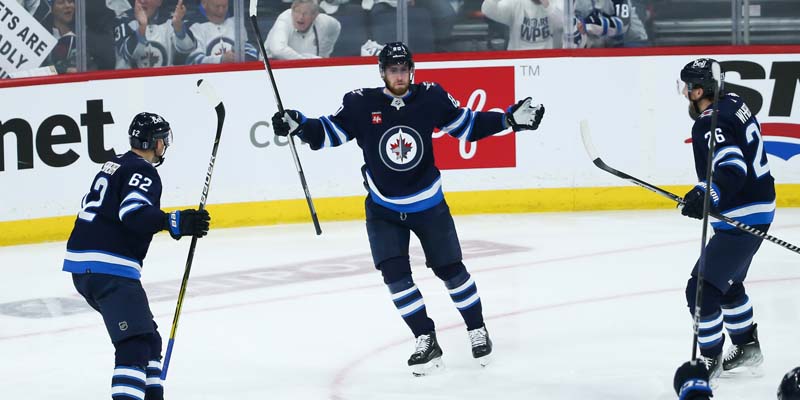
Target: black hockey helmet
(395,53)
(697,74)
(790,386)
(146,128)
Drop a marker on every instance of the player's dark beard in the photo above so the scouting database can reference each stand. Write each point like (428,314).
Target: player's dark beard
(396,92)
(694,112)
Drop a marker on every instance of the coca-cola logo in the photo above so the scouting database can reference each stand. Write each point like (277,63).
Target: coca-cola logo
(479,89)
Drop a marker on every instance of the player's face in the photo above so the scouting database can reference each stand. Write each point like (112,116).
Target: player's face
(397,78)
(303,15)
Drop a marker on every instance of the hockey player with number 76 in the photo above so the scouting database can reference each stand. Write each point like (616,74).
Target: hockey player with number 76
(394,126)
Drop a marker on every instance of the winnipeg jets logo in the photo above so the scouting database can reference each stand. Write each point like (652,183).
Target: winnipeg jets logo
(401,148)
(154,56)
(428,85)
(359,92)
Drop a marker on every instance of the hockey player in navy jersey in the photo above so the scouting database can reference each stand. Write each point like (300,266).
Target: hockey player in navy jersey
(393,125)
(742,188)
(108,244)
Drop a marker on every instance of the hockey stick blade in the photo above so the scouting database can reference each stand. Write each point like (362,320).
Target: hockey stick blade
(589,146)
(587,143)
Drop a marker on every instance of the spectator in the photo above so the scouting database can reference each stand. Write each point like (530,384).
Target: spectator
(147,37)
(61,24)
(608,23)
(216,36)
(302,32)
(597,24)
(533,24)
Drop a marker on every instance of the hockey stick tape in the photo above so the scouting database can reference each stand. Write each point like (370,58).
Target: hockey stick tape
(253,7)
(208,91)
(587,140)
(716,72)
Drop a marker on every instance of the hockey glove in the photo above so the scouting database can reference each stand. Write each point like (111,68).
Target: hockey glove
(187,223)
(288,122)
(691,381)
(524,116)
(693,201)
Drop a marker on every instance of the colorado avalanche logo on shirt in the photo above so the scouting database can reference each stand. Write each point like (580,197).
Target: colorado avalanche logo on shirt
(401,148)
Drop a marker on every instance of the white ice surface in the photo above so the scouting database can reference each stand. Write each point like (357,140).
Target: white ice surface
(584,306)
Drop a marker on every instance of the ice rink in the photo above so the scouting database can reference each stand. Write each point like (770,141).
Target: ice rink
(579,306)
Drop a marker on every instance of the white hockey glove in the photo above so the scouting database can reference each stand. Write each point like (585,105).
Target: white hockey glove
(288,122)
(524,116)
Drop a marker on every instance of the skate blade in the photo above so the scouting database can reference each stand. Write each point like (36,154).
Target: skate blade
(485,360)
(431,367)
(756,371)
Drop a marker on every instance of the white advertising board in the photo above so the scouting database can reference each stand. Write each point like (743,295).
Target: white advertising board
(52,133)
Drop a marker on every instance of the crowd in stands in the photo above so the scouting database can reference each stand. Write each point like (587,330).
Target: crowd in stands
(123,34)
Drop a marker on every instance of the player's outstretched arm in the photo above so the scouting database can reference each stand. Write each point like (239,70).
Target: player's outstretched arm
(187,223)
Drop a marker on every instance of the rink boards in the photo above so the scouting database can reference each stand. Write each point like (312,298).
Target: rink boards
(56,130)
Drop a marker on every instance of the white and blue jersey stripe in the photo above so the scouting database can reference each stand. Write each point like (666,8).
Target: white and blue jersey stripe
(81,262)
(422,200)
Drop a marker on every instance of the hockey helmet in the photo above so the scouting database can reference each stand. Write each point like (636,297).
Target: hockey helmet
(146,128)
(697,74)
(790,386)
(395,53)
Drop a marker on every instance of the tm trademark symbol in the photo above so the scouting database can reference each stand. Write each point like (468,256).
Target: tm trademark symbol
(530,70)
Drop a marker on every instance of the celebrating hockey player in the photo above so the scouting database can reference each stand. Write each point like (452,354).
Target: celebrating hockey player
(741,188)
(108,244)
(394,125)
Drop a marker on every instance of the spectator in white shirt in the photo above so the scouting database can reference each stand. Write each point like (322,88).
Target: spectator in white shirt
(302,32)
(533,24)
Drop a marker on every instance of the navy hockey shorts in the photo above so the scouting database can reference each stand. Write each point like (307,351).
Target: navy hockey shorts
(389,233)
(121,301)
(728,257)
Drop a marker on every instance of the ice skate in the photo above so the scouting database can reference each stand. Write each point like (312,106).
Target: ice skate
(481,345)
(714,367)
(746,357)
(427,357)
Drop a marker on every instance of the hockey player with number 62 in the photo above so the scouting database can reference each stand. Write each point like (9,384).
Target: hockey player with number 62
(108,244)
(394,126)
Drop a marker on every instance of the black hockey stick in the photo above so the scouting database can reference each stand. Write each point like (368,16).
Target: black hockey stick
(716,73)
(268,67)
(587,143)
(208,91)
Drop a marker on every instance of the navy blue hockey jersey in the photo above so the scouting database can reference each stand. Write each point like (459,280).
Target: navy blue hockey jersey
(741,175)
(117,220)
(395,135)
